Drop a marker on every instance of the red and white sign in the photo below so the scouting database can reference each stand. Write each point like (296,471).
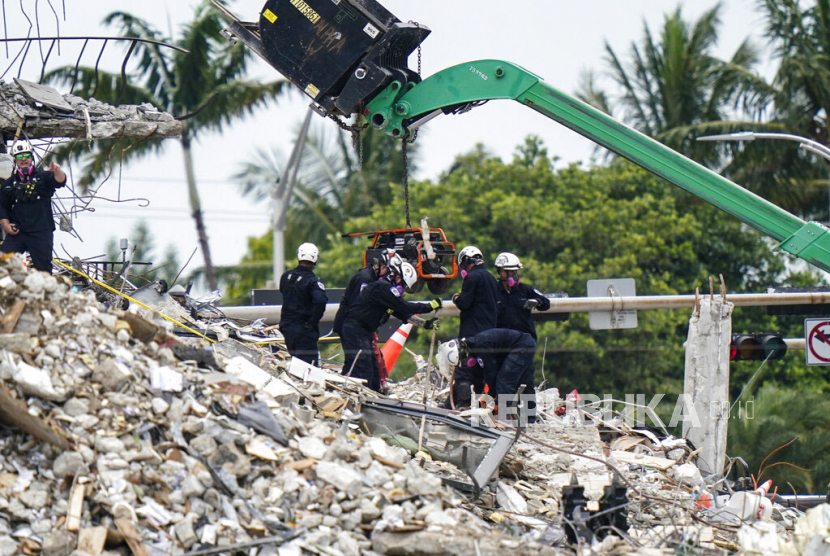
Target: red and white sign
(817,340)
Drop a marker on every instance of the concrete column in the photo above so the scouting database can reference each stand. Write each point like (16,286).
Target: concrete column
(706,389)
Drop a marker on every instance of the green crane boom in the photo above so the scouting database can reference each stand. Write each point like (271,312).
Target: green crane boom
(350,58)
(458,88)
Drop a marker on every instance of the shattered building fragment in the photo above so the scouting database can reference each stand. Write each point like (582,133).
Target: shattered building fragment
(42,112)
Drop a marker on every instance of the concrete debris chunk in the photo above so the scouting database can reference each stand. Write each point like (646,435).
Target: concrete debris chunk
(69,464)
(341,476)
(111,374)
(36,382)
(509,499)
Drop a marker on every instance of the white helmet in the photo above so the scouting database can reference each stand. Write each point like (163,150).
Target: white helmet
(508,261)
(397,267)
(307,252)
(469,252)
(386,256)
(448,356)
(410,275)
(21,147)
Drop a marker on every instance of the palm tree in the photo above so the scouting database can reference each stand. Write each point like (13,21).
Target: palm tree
(333,183)
(206,89)
(674,89)
(797,102)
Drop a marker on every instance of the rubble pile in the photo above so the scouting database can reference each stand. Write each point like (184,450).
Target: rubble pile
(170,455)
(44,112)
(125,438)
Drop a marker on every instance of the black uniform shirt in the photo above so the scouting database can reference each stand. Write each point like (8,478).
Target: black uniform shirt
(303,298)
(363,277)
(499,342)
(27,200)
(512,313)
(477,302)
(376,300)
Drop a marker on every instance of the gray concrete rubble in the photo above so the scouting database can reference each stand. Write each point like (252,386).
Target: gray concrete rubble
(78,118)
(115,445)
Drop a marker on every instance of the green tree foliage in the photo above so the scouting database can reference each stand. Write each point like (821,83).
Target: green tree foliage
(795,102)
(206,85)
(572,225)
(673,89)
(762,433)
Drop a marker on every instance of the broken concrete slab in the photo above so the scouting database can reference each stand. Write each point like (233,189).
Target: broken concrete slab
(83,119)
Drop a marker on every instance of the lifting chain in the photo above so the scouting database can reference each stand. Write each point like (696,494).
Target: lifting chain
(404,142)
(356,131)
(418,26)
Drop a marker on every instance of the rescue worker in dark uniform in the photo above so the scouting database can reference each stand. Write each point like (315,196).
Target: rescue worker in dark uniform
(516,299)
(376,301)
(303,304)
(365,276)
(510,353)
(479,312)
(26,207)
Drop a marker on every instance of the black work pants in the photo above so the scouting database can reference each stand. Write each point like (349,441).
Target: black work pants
(301,342)
(359,354)
(517,369)
(464,378)
(38,244)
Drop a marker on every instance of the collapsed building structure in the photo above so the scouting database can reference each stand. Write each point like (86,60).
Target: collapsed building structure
(124,436)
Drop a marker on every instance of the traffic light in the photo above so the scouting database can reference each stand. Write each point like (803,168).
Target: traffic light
(757,347)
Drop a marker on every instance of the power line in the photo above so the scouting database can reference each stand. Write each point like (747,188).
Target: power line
(178,219)
(186,211)
(178,180)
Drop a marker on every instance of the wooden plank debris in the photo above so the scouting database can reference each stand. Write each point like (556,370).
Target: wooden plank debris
(13,315)
(15,413)
(642,459)
(126,528)
(91,540)
(76,507)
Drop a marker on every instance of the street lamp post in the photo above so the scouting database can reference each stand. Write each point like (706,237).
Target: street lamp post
(807,144)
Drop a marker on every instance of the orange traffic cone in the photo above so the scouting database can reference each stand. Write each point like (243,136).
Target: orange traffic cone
(392,348)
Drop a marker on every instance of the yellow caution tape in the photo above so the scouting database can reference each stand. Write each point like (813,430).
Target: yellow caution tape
(127,297)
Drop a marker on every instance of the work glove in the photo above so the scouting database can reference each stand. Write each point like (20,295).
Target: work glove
(455,297)
(432,324)
(436,304)
(531,304)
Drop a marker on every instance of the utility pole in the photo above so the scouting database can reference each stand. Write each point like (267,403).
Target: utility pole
(281,196)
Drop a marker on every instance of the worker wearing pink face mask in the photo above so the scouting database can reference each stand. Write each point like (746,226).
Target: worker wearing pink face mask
(477,303)
(516,299)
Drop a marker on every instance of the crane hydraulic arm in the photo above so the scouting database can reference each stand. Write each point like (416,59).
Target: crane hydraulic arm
(350,57)
(399,109)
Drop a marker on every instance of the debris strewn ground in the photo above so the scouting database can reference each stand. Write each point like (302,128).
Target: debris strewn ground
(123,437)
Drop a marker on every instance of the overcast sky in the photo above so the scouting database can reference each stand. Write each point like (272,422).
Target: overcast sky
(556,39)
